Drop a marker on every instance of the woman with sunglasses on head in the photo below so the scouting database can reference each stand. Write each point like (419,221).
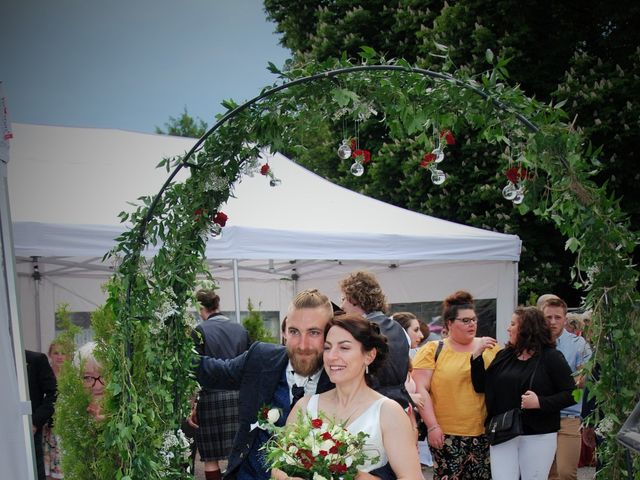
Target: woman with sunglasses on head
(452,411)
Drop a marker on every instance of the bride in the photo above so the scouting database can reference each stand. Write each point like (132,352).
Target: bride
(353,350)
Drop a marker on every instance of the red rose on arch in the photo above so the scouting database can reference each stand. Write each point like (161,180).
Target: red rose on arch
(220,218)
(514,174)
(264,169)
(364,155)
(448,137)
(427,159)
(198,211)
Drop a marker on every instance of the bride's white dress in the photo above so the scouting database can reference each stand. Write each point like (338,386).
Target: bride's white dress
(369,423)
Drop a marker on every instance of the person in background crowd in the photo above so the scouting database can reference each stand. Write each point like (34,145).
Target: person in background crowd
(362,295)
(575,324)
(50,441)
(216,414)
(42,393)
(283,331)
(453,412)
(532,375)
(91,378)
(576,351)
(411,325)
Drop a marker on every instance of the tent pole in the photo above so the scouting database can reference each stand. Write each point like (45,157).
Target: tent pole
(37,276)
(14,369)
(236,289)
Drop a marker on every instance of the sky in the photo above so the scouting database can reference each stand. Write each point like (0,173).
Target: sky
(131,64)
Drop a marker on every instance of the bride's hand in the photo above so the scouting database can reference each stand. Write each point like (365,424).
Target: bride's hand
(278,474)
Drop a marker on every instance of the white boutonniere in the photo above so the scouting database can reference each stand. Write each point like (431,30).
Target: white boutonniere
(267,418)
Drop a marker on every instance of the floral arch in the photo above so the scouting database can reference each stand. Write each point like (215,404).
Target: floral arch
(143,331)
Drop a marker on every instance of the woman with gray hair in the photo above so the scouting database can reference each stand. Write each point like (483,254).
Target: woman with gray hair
(92,378)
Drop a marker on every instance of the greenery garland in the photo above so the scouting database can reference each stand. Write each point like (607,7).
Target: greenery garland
(143,331)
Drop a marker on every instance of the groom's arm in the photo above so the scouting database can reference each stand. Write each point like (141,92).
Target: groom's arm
(220,374)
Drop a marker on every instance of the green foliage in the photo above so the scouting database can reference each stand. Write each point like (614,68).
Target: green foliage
(586,56)
(184,126)
(78,431)
(146,350)
(255,326)
(66,339)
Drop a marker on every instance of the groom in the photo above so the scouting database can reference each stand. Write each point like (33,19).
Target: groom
(273,375)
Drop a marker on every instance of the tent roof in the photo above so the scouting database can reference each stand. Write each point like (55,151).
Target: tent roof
(67,186)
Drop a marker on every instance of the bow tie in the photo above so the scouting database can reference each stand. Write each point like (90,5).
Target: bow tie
(297,393)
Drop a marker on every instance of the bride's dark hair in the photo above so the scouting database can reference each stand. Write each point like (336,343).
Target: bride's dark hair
(365,332)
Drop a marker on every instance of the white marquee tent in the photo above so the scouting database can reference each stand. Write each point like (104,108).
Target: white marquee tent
(67,186)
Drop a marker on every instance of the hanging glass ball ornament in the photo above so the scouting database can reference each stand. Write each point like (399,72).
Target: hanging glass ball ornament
(509,192)
(438,177)
(439,154)
(344,150)
(275,182)
(519,197)
(216,230)
(357,169)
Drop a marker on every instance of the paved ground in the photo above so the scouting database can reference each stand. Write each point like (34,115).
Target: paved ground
(583,473)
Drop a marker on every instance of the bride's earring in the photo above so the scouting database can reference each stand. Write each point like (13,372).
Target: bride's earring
(366,369)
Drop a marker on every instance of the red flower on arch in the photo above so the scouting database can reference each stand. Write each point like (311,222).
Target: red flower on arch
(220,218)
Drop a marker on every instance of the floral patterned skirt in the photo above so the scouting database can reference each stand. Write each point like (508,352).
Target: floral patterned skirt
(51,453)
(462,458)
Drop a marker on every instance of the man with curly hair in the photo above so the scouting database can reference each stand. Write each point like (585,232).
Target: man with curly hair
(362,294)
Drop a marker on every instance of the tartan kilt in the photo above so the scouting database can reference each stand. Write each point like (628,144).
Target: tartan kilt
(218,419)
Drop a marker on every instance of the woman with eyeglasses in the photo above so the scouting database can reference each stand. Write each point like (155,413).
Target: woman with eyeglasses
(452,410)
(91,378)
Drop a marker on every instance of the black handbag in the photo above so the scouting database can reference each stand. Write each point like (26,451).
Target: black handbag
(507,425)
(504,426)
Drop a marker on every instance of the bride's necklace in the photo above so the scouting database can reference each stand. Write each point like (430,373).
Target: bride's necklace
(346,413)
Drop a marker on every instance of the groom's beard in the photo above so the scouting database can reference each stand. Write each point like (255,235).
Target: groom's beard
(305,362)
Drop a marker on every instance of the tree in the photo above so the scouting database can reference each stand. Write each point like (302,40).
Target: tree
(540,39)
(254,324)
(184,126)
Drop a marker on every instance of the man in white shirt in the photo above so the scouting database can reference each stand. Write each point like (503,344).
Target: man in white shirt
(576,351)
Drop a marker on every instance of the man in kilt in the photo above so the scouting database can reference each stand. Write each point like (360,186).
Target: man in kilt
(217,410)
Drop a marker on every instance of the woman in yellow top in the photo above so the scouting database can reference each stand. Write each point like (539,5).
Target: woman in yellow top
(453,412)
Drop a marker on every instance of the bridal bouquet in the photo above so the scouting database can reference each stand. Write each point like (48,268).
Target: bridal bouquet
(317,449)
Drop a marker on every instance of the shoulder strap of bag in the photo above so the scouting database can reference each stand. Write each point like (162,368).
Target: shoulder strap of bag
(438,350)
(534,369)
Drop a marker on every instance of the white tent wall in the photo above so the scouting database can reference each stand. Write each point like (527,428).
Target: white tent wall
(68,185)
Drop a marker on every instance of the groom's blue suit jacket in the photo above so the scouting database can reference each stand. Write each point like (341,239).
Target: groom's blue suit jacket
(255,374)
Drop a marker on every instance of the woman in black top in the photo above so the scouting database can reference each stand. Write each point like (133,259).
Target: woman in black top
(529,359)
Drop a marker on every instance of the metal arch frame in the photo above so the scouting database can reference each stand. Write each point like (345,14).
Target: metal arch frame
(319,76)
(311,78)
